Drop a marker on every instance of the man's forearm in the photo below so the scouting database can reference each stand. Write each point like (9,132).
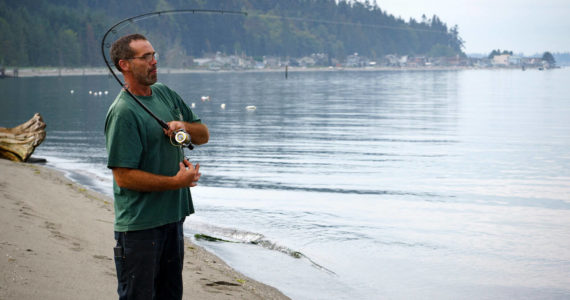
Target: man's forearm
(142,181)
(198,132)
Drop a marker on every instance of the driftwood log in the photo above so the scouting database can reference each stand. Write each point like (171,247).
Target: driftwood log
(19,143)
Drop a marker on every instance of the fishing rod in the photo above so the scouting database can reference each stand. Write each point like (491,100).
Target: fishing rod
(181,137)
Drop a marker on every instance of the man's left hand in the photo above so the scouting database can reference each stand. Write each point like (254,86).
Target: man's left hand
(174,126)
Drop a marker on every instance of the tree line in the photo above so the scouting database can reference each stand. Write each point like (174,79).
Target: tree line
(69,32)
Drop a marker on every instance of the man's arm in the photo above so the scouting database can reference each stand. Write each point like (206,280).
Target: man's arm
(198,132)
(143,181)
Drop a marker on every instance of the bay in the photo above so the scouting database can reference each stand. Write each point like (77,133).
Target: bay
(357,184)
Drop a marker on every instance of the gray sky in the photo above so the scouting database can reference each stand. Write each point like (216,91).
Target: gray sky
(527,26)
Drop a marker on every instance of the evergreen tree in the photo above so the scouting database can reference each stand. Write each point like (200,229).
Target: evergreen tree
(69,32)
(498,52)
(549,58)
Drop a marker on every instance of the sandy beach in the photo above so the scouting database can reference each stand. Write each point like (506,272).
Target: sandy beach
(56,240)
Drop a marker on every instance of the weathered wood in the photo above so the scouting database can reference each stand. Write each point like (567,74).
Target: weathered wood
(19,143)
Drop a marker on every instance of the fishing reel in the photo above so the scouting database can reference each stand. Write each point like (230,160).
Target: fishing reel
(181,139)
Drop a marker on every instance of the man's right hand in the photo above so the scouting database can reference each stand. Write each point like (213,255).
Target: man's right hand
(188,175)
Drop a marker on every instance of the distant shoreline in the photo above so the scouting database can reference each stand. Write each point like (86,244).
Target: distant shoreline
(51,72)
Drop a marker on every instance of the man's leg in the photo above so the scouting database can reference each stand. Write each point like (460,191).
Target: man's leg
(137,258)
(169,282)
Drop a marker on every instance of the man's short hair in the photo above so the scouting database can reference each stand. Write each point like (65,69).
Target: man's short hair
(121,48)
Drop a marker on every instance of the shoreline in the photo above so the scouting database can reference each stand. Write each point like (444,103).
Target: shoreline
(90,71)
(56,241)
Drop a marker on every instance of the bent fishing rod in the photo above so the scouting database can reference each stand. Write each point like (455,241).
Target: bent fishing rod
(181,137)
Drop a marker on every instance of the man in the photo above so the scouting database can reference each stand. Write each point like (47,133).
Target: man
(151,177)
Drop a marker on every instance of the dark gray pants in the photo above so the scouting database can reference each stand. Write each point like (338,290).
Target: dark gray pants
(149,262)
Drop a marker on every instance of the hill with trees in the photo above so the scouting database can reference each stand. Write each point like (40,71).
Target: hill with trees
(69,32)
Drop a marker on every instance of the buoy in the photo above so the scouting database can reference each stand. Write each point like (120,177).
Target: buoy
(72,91)
(223,106)
(251,107)
(193,104)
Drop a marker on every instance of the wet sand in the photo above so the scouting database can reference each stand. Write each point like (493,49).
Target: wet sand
(56,242)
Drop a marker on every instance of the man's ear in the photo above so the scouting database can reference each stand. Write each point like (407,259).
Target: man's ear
(124,64)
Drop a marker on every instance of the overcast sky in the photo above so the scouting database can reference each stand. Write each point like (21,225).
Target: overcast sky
(527,26)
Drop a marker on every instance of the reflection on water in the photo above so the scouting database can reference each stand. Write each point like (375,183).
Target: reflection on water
(402,184)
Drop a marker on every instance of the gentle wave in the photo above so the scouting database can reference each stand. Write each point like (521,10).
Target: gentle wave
(221,234)
(226,181)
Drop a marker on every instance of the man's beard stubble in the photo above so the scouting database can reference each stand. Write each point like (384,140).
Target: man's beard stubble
(147,78)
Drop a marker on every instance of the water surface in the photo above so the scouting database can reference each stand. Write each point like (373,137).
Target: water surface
(358,185)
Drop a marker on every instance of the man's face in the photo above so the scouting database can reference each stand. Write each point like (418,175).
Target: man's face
(143,71)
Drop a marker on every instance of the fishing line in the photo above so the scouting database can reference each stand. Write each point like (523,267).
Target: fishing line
(299,19)
(181,137)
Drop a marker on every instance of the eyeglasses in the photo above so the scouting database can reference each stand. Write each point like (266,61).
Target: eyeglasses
(147,57)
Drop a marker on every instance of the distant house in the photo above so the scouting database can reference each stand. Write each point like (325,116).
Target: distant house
(454,60)
(501,60)
(417,61)
(514,60)
(259,65)
(201,61)
(306,61)
(214,65)
(391,60)
(221,61)
(531,61)
(272,62)
(353,61)
(321,59)
(481,62)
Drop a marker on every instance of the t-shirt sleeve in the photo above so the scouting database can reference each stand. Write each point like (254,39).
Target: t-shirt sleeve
(187,114)
(124,146)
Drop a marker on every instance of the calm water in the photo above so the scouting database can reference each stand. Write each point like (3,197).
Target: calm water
(358,185)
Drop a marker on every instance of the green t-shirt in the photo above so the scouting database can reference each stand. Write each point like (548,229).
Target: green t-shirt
(135,140)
